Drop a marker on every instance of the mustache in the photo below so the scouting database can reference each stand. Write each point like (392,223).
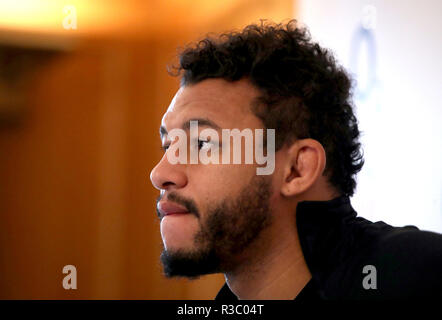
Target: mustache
(187,203)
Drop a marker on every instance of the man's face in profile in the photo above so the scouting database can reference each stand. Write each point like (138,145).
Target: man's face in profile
(212,215)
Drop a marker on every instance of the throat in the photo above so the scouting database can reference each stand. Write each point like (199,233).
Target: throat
(280,275)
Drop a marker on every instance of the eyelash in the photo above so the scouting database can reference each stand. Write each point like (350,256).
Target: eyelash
(201,141)
(165,147)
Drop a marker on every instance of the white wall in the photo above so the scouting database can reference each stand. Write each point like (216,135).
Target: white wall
(401,116)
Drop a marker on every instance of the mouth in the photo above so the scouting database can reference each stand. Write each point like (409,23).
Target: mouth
(168,208)
(175,214)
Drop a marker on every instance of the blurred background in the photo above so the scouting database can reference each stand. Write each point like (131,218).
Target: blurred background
(83,86)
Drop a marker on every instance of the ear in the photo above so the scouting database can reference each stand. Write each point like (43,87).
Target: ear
(305,165)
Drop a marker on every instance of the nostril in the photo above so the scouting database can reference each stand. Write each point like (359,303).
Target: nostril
(167,184)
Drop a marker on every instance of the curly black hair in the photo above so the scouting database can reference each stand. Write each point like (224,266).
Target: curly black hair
(305,93)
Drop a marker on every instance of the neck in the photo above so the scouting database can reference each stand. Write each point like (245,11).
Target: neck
(273,269)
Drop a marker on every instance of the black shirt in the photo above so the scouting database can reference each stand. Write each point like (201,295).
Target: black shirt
(403,262)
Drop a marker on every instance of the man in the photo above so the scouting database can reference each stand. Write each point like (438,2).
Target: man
(290,233)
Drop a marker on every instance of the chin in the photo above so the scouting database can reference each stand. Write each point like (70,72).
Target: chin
(177,247)
(178,233)
(175,243)
(190,264)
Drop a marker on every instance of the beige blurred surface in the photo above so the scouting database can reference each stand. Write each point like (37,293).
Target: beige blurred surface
(74,170)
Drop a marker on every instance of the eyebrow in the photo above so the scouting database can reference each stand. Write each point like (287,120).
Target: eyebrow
(186,125)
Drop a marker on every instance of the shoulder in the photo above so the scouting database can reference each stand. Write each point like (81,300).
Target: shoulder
(408,263)
(410,246)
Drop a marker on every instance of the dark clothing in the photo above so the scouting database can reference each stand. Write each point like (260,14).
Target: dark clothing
(337,245)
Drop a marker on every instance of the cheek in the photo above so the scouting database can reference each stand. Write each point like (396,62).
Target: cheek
(219,181)
(215,183)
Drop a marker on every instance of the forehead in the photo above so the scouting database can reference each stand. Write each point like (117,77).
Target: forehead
(227,103)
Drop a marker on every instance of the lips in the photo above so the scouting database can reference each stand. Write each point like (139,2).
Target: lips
(168,208)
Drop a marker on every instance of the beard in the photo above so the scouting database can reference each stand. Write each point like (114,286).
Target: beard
(230,227)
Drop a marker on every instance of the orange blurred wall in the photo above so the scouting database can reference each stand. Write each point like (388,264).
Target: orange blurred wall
(74,175)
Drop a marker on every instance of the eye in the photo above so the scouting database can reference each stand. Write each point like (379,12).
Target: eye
(165,147)
(203,143)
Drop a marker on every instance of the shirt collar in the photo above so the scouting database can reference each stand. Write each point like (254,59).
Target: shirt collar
(323,227)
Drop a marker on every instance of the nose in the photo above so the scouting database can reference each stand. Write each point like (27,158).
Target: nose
(166,175)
